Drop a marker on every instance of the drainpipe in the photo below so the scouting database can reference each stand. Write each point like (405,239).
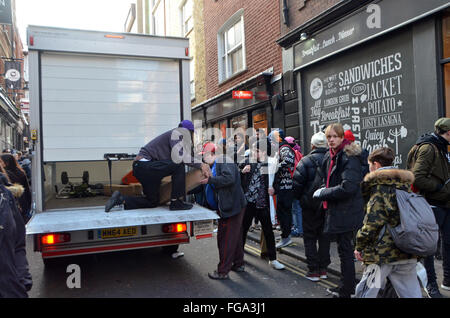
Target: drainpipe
(285,13)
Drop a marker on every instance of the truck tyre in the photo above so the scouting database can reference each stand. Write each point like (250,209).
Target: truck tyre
(170,249)
(50,263)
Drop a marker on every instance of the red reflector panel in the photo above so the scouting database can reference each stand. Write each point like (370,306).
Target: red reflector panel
(174,228)
(50,239)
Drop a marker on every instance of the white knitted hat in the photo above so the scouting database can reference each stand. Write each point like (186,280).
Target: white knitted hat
(319,140)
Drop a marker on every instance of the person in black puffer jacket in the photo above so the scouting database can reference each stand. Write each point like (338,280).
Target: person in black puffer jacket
(15,278)
(342,201)
(17,175)
(307,179)
(282,185)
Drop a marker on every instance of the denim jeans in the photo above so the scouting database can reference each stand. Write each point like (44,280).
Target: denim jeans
(443,220)
(297,216)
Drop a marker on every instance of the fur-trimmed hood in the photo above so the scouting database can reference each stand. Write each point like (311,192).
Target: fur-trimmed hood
(16,190)
(401,175)
(353,149)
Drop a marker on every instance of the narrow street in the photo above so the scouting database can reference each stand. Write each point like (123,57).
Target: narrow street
(151,273)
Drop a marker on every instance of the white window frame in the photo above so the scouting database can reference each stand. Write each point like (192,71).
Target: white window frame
(222,52)
(156,5)
(185,19)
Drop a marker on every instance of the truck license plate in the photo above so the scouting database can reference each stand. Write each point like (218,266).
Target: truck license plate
(118,232)
(203,227)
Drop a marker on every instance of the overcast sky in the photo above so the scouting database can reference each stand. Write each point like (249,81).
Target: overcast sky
(101,15)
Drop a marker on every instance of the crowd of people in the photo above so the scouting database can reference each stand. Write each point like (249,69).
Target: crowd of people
(342,194)
(337,192)
(15,212)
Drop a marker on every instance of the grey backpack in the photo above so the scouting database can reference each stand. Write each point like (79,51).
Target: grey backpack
(418,231)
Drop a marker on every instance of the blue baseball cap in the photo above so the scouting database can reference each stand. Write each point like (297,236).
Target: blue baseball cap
(187,124)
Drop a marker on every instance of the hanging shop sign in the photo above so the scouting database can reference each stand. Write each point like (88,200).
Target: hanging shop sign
(371,21)
(12,74)
(370,91)
(242,95)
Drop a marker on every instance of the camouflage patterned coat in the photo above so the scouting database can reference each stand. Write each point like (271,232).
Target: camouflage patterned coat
(381,208)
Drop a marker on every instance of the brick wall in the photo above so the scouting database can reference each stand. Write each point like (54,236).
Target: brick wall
(300,11)
(262,29)
(199,50)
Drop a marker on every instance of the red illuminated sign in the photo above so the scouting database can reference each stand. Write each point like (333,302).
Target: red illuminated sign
(242,95)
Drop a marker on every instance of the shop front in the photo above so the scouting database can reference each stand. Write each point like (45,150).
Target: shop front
(245,106)
(388,82)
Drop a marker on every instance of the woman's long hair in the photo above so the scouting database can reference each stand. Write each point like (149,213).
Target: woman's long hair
(11,164)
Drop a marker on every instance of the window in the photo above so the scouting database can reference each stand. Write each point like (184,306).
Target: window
(231,47)
(158,18)
(186,15)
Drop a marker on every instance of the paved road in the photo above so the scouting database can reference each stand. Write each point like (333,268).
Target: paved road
(150,273)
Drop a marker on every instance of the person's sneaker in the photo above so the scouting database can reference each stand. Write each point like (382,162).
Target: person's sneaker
(323,274)
(216,275)
(295,233)
(445,285)
(284,242)
(238,269)
(432,290)
(337,293)
(276,264)
(312,276)
(179,205)
(333,291)
(115,200)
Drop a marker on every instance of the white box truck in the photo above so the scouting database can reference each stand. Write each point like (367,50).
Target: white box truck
(95,93)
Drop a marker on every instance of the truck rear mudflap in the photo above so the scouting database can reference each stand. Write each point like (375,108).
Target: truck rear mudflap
(86,231)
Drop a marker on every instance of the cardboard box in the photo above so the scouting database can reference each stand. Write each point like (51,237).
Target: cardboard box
(123,189)
(193,179)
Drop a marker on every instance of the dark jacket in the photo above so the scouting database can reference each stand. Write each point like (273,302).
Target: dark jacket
(286,164)
(364,162)
(227,187)
(343,195)
(17,176)
(15,279)
(264,186)
(306,170)
(161,148)
(381,208)
(303,178)
(429,161)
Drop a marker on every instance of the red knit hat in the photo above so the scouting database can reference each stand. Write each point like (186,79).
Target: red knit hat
(349,135)
(209,147)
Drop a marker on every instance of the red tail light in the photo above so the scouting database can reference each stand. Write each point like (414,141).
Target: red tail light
(174,228)
(49,239)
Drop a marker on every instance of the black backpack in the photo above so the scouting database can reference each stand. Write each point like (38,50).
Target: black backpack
(306,200)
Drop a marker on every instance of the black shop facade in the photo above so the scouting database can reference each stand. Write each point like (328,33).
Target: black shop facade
(387,80)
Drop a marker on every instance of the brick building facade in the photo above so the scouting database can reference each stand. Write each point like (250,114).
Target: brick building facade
(241,54)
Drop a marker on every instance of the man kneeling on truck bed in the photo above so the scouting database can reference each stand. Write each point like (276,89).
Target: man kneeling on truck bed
(152,164)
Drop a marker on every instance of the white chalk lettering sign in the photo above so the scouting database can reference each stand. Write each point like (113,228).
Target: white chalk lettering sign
(370,91)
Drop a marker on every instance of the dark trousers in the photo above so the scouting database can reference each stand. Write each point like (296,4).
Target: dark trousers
(284,211)
(345,251)
(229,242)
(150,174)
(443,220)
(317,258)
(263,215)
